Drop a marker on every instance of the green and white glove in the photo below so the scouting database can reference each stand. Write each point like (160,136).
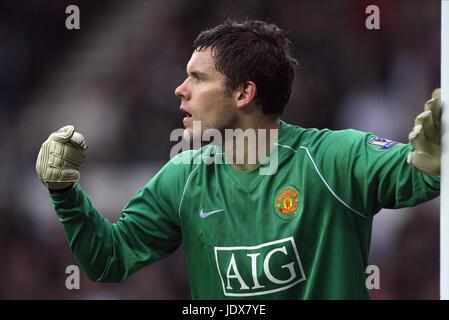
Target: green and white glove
(60,158)
(426,137)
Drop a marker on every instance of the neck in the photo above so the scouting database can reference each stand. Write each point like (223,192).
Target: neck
(251,142)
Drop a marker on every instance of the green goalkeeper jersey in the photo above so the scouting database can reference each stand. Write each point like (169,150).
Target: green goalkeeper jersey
(301,233)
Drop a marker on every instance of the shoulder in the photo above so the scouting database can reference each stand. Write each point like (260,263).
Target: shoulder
(192,158)
(183,164)
(313,138)
(179,168)
(329,144)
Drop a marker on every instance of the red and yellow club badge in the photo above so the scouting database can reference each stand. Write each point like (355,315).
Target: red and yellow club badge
(288,203)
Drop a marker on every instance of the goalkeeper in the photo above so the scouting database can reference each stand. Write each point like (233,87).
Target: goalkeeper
(301,233)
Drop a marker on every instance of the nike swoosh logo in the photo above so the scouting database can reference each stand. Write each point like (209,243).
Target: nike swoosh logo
(209,213)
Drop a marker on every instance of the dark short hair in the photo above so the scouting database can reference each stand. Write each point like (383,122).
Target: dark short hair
(253,51)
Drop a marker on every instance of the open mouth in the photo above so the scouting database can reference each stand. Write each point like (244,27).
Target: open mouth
(187,114)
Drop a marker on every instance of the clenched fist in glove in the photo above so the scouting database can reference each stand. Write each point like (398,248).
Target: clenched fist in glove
(60,158)
(426,137)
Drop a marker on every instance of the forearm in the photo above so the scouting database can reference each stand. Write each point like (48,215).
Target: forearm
(412,187)
(91,237)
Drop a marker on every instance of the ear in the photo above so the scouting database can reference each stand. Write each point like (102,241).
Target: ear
(245,94)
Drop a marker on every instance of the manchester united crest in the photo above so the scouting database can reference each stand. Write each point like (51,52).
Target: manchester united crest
(288,202)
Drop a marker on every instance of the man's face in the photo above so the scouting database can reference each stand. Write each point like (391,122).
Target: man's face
(204,96)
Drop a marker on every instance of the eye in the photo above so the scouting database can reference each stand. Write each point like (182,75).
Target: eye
(195,76)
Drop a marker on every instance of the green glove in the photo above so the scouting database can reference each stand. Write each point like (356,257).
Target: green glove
(60,158)
(426,137)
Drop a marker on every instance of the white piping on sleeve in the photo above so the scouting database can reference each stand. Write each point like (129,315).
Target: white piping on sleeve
(324,181)
(184,190)
(187,182)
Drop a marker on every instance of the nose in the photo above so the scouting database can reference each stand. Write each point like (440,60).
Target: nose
(182,91)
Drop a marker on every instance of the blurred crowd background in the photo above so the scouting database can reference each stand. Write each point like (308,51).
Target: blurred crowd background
(114,79)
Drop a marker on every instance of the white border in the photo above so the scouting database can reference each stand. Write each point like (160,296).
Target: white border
(249,294)
(324,181)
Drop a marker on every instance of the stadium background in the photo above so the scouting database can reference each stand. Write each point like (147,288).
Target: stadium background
(115,79)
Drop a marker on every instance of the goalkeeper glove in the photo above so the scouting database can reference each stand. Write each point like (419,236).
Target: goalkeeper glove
(426,137)
(60,158)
